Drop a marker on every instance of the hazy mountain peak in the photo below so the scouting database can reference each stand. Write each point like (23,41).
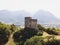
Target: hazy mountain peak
(17,17)
(45,17)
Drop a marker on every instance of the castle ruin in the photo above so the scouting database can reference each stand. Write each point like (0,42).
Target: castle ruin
(30,23)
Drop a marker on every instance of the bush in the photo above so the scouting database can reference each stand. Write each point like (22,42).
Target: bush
(40,27)
(21,36)
(36,40)
(51,31)
(53,42)
(4,33)
(12,28)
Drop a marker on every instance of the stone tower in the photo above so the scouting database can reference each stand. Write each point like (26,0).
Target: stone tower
(30,23)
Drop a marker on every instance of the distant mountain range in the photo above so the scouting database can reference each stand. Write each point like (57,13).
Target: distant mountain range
(45,17)
(17,17)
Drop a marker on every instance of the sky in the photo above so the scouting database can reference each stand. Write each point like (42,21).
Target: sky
(32,6)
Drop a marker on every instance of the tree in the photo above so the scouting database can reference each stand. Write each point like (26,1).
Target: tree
(51,31)
(12,28)
(40,27)
(21,36)
(4,33)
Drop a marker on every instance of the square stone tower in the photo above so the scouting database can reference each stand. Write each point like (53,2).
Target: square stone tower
(30,23)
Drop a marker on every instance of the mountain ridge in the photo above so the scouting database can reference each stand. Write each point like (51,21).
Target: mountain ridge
(17,17)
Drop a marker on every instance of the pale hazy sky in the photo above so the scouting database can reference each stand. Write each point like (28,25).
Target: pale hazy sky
(31,6)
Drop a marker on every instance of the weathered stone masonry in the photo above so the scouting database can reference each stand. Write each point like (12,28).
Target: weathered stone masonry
(30,23)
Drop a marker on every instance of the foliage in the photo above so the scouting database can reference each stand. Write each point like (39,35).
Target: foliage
(12,28)
(40,27)
(40,33)
(53,42)
(36,40)
(4,33)
(21,36)
(28,36)
(51,31)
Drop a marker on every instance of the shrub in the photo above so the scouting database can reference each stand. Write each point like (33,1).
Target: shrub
(36,40)
(21,36)
(4,33)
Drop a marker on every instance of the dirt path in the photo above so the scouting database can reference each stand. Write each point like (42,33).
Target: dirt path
(10,42)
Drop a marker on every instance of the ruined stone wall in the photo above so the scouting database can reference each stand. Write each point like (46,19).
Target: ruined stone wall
(33,23)
(27,22)
(30,23)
